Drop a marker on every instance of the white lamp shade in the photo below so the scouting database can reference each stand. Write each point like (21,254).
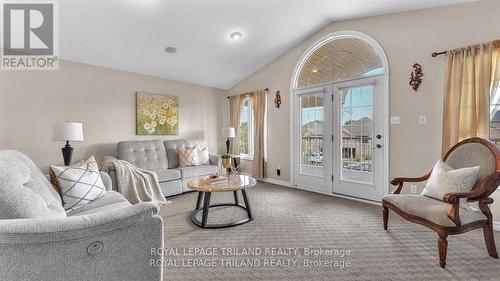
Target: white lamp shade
(228,132)
(68,131)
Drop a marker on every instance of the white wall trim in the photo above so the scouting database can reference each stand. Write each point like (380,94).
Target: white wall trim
(496,225)
(277,182)
(293,85)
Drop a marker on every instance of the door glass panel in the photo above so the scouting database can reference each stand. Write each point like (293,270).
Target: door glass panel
(311,132)
(356,123)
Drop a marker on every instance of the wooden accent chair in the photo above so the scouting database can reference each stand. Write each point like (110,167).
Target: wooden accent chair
(446,217)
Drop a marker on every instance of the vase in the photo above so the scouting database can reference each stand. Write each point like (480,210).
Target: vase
(226,163)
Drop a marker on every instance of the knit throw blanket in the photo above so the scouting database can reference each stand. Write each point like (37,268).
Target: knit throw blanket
(137,185)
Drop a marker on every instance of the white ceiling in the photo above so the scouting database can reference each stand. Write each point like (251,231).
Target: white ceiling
(132,35)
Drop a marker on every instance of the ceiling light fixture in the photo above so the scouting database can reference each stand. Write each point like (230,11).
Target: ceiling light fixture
(236,36)
(314,70)
(171,50)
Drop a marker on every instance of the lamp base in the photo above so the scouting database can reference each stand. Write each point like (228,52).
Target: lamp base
(228,145)
(67,152)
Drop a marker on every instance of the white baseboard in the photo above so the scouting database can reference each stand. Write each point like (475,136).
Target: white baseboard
(496,225)
(277,182)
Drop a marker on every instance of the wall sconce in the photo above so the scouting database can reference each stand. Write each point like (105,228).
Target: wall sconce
(277,99)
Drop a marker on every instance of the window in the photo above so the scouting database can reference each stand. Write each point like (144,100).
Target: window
(495,118)
(246,129)
(340,59)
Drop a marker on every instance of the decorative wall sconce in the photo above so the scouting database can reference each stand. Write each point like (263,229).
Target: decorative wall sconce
(277,99)
(416,76)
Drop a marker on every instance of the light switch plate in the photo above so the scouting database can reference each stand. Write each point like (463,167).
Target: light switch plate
(422,119)
(413,189)
(395,120)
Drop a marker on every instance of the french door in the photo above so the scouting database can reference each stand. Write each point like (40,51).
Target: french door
(339,138)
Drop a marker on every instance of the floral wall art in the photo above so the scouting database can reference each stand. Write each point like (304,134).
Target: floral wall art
(157,114)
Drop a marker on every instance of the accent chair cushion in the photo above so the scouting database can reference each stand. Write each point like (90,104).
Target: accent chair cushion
(188,156)
(25,192)
(435,211)
(444,179)
(79,184)
(473,154)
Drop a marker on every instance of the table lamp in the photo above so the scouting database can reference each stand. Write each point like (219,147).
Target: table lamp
(228,133)
(67,131)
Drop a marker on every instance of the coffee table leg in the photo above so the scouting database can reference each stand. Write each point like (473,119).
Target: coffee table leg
(236,200)
(247,204)
(206,206)
(198,202)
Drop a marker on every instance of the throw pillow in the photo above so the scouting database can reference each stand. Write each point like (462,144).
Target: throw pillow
(188,156)
(79,184)
(204,156)
(444,179)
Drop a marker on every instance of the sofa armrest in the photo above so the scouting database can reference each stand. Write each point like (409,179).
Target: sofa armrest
(114,245)
(46,230)
(214,159)
(106,179)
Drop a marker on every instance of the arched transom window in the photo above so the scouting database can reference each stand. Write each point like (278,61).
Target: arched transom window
(338,59)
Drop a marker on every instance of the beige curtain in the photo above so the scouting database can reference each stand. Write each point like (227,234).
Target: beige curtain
(495,78)
(234,121)
(467,94)
(259,109)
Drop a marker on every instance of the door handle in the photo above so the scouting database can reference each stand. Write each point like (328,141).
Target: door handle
(378,146)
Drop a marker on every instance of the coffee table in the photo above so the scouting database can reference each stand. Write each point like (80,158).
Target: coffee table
(205,186)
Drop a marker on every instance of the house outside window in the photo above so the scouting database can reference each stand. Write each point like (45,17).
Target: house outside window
(246,130)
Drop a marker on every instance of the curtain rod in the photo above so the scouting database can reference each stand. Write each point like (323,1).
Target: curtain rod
(435,54)
(266,90)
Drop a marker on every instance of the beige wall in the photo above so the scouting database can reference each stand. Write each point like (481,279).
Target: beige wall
(406,38)
(103,100)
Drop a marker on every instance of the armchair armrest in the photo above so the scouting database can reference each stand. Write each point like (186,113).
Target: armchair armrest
(112,245)
(46,230)
(400,181)
(480,193)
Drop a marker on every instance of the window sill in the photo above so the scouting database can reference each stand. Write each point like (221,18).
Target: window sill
(246,157)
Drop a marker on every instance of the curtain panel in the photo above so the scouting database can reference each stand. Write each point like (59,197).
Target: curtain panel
(259,109)
(472,75)
(235,103)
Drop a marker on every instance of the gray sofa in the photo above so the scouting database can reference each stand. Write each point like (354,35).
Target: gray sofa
(161,157)
(107,239)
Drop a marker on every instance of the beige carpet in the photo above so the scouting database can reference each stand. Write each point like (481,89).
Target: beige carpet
(290,218)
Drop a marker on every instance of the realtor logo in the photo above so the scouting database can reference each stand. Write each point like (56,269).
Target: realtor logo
(29,37)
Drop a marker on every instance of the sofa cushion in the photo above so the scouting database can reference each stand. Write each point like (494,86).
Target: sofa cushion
(188,156)
(168,175)
(149,155)
(433,210)
(195,171)
(171,148)
(111,198)
(25,192)
(79,184)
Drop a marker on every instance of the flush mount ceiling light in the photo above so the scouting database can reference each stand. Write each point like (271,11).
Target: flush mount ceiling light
(236,36)
(314,70)
(171,50)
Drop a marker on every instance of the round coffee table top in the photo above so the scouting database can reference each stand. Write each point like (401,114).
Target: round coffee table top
(221,183)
